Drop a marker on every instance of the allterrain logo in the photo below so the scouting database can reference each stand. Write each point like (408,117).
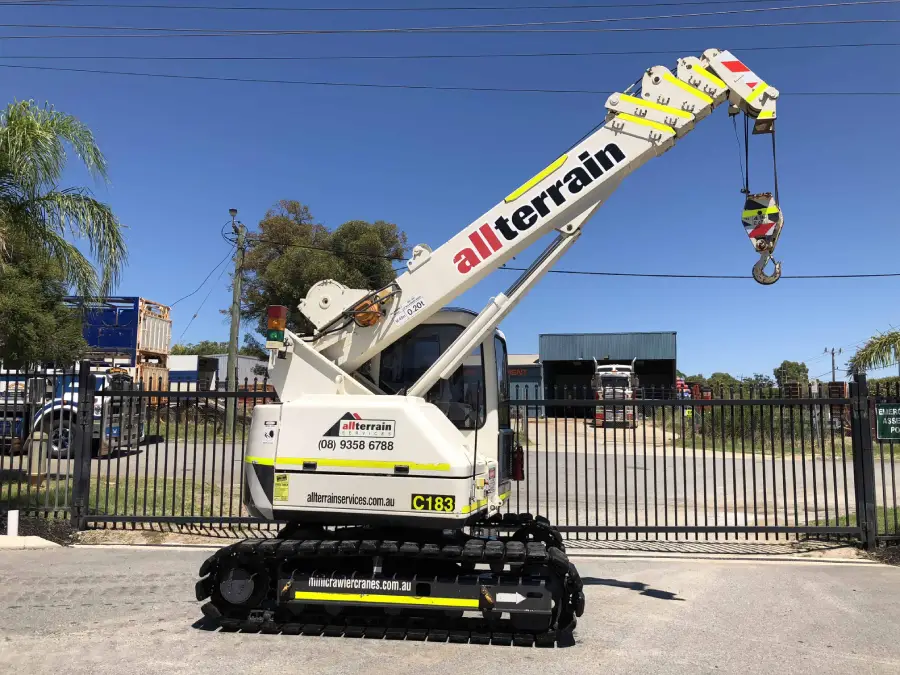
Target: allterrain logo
(485,241)
(352,425)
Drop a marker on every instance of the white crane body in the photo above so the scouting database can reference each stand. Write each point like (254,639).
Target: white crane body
(393,420)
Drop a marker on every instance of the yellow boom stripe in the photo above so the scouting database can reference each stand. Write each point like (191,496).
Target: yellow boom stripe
(757,90)
(647,123)
(703,72)
(537,179)
(766,115)
(668,77)
(750,213)
(683,114)
(505,495)
(346,463)
(386,599)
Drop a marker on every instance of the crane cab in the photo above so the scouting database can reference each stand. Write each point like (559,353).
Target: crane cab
(439,460)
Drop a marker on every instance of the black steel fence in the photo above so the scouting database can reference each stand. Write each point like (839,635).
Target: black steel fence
(746,463)
(112,452)
(884,412)
(34,435)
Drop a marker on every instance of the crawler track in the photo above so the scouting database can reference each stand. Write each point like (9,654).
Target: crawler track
(254,585)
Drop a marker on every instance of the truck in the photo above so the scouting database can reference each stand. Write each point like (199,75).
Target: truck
(132,333)
(389,453)
(46,401)
(615,382)
(128,345)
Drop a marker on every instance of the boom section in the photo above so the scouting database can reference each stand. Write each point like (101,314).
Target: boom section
(641,123)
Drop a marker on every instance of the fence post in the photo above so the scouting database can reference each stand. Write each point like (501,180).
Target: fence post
(863,462)
(82,445)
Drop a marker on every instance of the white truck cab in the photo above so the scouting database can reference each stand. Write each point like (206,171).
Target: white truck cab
(615,381)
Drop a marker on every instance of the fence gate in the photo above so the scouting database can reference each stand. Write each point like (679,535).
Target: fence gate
(884,410)
(748,463)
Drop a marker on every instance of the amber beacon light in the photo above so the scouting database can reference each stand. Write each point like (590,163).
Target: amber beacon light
(275,326)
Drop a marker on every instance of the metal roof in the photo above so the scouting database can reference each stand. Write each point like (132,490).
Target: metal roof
(611,346)
(523,359)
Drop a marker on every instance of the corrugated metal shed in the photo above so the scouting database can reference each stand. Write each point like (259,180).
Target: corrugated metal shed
(612,346)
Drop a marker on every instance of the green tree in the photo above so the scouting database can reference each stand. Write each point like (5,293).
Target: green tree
(33,208)
(250,347)
(36,326)
(290,252)
(723,382)
(881,351)
(791,371)
(760,380)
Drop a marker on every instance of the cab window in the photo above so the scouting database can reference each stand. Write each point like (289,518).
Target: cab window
(460,398)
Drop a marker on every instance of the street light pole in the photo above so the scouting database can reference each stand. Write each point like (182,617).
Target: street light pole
(239,231)
(833,369)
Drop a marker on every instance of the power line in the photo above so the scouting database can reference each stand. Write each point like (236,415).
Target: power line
(221,262)
(402,57)
(710,276)
(256,240)
(157,32)
(525,24)
(197,313)
(372,85)
(495,8)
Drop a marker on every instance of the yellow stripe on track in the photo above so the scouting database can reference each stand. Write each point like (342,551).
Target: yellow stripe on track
(386,599)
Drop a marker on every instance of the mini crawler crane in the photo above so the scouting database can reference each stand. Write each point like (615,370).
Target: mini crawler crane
(390,453)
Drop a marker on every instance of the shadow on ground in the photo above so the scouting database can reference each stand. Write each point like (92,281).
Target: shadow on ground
(637,586)
(727,547)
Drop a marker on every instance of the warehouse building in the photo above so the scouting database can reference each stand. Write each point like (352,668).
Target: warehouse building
(525,383)
(567,360)
(206,373)
(524,376)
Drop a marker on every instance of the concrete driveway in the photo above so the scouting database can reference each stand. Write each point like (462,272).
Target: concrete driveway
(115,610)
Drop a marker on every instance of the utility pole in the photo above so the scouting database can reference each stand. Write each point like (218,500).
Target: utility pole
(231,404)
(833,369)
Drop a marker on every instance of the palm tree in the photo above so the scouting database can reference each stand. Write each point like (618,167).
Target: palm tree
(880,351)
(34,209)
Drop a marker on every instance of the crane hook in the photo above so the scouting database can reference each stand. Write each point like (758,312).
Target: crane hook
(763,221)
(759,271)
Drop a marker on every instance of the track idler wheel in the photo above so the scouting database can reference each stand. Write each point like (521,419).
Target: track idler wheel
(239,584)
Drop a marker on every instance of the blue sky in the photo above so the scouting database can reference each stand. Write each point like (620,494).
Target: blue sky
(183,152)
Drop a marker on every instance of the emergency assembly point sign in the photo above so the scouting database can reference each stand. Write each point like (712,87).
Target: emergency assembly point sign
(887,418)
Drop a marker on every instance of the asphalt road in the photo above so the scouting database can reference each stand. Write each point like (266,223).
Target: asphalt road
(113,610)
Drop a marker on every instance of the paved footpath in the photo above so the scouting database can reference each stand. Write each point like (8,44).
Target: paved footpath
(131,610)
